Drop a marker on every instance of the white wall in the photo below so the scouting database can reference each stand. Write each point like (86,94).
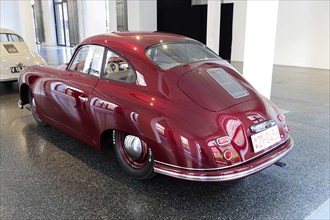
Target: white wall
(92,18)
(17,16)
(142,15)
(302,37)
(111,15)
(239,24)
(260,33)
(303,34)
(213,25)
(49,23)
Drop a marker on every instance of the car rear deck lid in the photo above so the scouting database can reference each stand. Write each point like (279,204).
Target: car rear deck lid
(215,89)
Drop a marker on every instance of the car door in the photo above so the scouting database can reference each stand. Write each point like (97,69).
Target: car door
(110,105)
(73,95)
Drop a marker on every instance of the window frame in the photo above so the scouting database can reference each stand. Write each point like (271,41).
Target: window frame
(76,53)
(102,75)
(10,38)
(179,42)
(102,72)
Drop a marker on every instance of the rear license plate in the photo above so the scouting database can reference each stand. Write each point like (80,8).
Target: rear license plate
(265,139)
(16,69)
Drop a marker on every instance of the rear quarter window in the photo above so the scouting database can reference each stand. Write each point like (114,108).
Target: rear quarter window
(116,68)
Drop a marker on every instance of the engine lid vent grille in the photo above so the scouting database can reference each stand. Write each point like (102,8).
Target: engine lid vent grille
(228,82)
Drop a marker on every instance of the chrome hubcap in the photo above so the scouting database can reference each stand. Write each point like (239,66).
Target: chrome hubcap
(133,146)
(33,104)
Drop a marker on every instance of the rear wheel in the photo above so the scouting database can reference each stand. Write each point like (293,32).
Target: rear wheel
(133,155)
(35,115)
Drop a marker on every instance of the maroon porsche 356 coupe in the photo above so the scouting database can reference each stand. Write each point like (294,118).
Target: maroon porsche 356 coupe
(166,103)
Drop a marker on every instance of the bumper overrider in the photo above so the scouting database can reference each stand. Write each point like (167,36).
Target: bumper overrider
(227,174)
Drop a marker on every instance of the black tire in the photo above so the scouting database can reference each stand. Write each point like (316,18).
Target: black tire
(141,168)
(33,108)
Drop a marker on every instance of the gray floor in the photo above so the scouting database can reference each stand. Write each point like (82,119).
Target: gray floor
(45,174)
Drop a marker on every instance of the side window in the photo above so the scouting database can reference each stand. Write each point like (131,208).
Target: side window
(117,68)
(88,60)
(15,38)
(3,38)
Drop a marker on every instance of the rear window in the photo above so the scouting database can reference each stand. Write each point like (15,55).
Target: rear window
(5,37)
(169,55)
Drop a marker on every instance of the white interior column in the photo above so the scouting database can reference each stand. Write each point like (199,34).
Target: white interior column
(142,15)
(213,25)
(49,23)
(111,16)
(17,16)
(92,18)
(260,33)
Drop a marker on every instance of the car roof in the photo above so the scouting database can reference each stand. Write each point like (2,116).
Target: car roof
(137,39)
(7,31)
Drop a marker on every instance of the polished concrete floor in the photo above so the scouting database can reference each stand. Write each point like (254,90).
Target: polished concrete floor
(46,174)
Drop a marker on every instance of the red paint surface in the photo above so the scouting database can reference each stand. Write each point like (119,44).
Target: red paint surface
(179,114)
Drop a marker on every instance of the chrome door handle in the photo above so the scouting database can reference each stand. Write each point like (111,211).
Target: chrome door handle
(83,98)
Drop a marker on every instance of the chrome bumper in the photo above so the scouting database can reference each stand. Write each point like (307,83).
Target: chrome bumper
(235,173)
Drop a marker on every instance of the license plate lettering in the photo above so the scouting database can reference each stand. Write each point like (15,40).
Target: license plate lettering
(16,69)
(265,139)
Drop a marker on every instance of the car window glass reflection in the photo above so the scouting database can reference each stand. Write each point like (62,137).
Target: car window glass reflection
(14,38)
(169,55)
(3,38)
(88,60)
(10,38)
(117,69)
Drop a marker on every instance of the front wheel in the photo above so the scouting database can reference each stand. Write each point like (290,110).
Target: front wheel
(35,115)
(133,155)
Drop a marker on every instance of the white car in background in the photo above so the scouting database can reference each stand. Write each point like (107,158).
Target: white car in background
(15,55)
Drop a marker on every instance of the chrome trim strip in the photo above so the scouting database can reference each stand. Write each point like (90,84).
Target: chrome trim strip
(220,168)
(224,177)
(256,128)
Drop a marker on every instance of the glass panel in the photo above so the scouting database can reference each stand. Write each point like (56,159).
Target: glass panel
(59,24)
(169,55)
(88,60)
(66,24)
(3,38)
(15,38)
(122,23)
(38,21)
(117,69)
(10,38)
(72,8)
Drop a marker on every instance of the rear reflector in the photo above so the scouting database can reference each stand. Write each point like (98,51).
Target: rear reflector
(227,155)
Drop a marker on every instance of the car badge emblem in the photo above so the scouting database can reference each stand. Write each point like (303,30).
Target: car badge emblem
(255,118)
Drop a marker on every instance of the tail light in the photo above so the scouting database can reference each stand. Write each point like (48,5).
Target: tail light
(281,117)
